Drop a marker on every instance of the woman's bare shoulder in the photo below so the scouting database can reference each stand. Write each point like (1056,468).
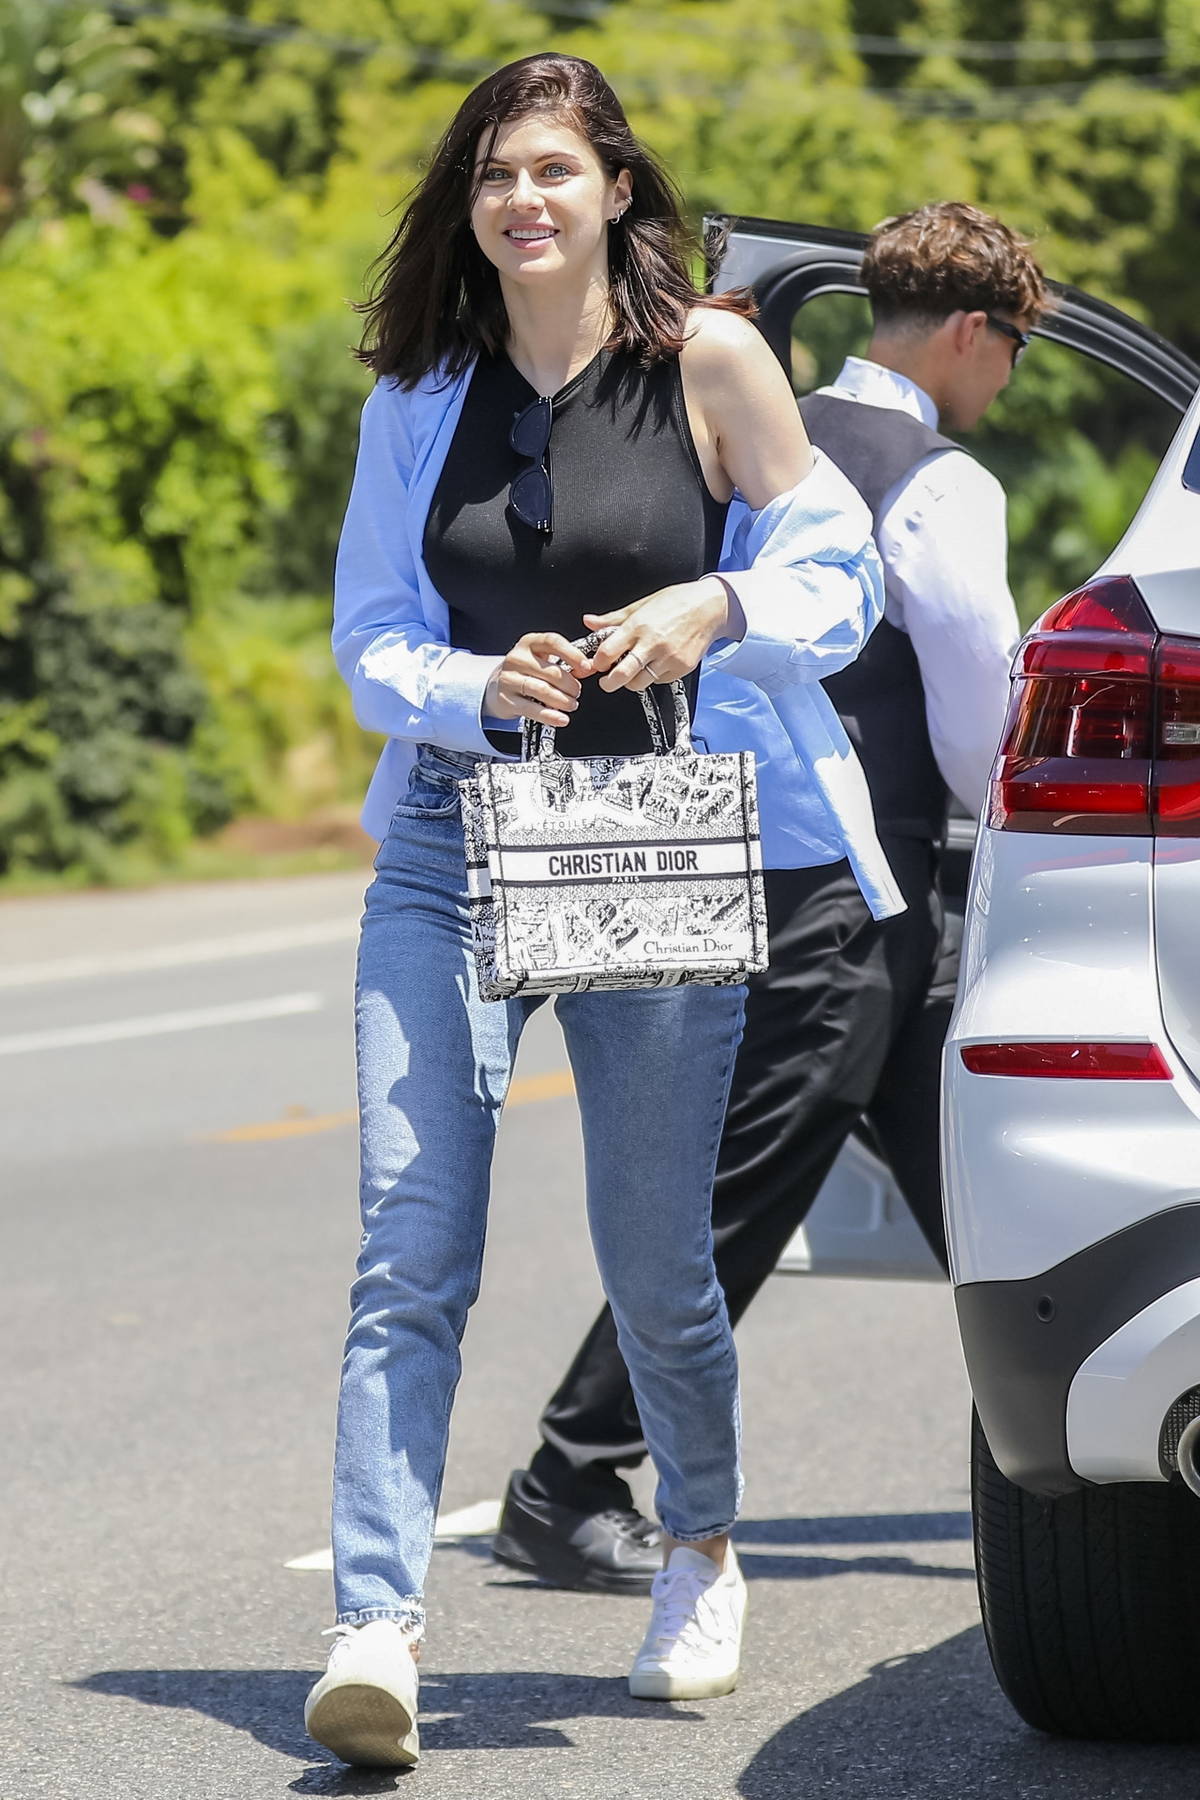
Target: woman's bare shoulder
(747,404)
(723,346)
(714,331)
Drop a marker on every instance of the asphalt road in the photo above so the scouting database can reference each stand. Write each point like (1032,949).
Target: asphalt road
(177,1196)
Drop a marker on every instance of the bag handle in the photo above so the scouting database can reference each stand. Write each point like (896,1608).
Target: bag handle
(538,740)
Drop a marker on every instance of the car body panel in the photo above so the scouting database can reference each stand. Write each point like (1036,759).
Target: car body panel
(1161,548)
(1058,939)
(1038,1172)
(1125,1388)
(1059,943)
(1026,1340)
(1088,1187)
(1177,935)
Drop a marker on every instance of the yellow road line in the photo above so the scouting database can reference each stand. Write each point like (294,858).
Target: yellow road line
(526,1088)
(282,1128)
(553,1085)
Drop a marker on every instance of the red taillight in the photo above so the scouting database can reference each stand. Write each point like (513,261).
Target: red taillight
(1083,1062)
(1075,755)
(1177,750)
(1103,726)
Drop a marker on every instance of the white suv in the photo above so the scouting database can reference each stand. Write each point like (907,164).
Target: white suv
(1071,1145)
(1071,1085)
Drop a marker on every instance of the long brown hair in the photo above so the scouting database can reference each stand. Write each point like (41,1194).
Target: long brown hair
(436,302)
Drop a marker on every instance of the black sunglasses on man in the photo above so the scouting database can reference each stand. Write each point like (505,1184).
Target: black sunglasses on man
(1021,339)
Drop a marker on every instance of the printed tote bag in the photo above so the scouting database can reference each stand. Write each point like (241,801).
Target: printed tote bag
(614,871)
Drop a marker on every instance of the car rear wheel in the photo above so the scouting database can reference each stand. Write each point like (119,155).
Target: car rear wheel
(1091,1603)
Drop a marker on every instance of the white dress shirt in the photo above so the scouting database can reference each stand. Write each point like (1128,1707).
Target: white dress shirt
(944,544)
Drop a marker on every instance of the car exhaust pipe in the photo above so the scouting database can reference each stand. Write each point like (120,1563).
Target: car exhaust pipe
(1187,1456)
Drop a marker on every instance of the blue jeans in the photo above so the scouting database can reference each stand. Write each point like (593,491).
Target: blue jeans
(652,1071)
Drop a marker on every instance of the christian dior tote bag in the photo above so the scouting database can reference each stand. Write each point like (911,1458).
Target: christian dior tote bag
(614,872)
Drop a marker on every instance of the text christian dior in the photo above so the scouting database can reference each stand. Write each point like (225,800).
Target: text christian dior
(622,862)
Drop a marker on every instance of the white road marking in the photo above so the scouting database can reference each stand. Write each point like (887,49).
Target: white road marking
(178,956)
(316,1559)
(479,1520)
(112,1031)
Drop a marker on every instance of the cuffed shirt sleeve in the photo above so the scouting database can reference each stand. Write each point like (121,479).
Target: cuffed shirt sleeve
(809,580)
(406,681)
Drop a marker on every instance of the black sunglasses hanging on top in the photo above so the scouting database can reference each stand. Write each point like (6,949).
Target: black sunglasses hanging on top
(530,494)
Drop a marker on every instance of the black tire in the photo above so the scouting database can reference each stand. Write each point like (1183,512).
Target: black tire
(1091,1603)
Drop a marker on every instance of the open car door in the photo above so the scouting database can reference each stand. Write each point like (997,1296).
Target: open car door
(813,312)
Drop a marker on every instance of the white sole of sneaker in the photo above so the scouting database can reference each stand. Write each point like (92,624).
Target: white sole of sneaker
(656,1684)
(365,1726)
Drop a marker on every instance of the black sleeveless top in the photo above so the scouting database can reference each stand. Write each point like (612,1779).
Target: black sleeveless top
(631,514)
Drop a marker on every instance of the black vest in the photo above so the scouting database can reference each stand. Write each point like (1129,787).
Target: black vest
(880,698)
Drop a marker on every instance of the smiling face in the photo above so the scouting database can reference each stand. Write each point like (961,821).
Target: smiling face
(545,203)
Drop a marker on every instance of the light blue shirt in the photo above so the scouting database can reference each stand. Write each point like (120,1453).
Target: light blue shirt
(804,568)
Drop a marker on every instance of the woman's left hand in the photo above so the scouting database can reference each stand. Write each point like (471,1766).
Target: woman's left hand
(660,638)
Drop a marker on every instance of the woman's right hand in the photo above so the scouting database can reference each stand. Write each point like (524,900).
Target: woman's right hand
(538,679)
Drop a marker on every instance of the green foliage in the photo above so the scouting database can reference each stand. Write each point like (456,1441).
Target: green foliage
(168,506)
(1075,446)
(185,212)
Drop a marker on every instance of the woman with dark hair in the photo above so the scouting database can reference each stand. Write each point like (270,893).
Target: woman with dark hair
(564,436)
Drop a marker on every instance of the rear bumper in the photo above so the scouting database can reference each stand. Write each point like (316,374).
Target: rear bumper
(1074,1370)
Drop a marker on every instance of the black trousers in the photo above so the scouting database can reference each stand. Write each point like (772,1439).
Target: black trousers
(847,1023)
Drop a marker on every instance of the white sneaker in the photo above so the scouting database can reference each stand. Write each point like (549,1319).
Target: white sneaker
(694,1641)
(364,1708)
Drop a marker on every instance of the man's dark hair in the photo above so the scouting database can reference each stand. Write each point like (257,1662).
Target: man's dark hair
(922,266)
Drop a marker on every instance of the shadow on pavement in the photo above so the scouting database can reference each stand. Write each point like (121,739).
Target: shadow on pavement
(267,1703)
(335,1778)
(859,1528)
(795,1568)
(852,1528)
(517,1709)
(504,1710)
(817,1568)
(935,1726)
(865,1528)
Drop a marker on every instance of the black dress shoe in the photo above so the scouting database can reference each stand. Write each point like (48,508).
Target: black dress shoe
(608,1552)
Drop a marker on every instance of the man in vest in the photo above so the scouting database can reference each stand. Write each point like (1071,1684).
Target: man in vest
(850,1018)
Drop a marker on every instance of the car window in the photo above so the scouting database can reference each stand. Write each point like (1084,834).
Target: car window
(1191,469)
(1074,443)
(824,333)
